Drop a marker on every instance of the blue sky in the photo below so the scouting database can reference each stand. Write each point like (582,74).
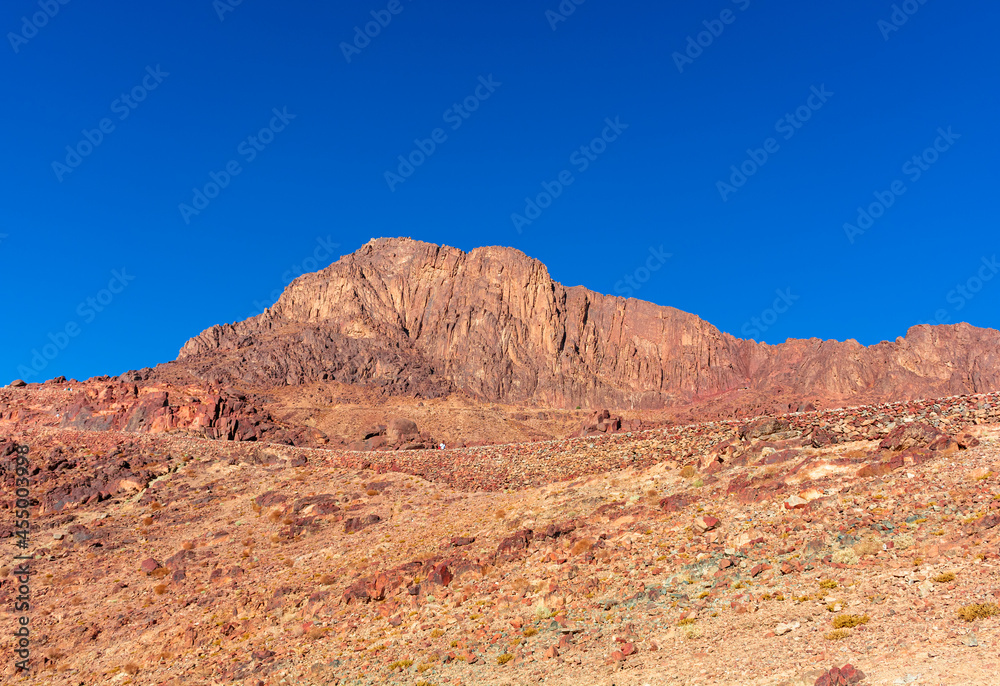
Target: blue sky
(724,143)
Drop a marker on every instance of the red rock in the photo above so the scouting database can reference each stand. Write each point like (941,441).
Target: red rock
(149,565)
(705,523)
(440,574)
(514,543)
(551,652)
(674,503)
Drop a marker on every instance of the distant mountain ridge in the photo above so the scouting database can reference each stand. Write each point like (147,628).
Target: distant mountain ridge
(417,318)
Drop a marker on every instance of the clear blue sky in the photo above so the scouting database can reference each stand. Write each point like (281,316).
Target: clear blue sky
(181,91)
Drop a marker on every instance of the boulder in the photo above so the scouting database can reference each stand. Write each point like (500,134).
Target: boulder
(401,430)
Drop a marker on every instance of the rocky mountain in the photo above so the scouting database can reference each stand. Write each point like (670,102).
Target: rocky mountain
(421,319)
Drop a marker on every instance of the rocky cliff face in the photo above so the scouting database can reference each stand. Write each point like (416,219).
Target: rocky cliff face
(417,318)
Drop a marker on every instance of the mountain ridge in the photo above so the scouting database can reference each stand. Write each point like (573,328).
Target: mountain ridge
(418,318)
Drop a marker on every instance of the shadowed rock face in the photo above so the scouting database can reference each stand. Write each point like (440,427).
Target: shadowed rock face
(417,318)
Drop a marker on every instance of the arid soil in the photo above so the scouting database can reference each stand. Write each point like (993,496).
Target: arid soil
(763,552)
(274,507)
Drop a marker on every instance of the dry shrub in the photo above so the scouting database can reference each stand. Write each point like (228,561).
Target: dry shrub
(845,556)
(274,516)
(160,572)
(837,635)
(971,613)
(688,472)
(189,545)
(849,621)
(147,521)
(904,541)
(327,580)
(160,589)
(131,669)
(581,547)
(869,546)
(944,578)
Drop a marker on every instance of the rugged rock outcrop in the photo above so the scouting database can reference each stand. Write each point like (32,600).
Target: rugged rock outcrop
(422,319)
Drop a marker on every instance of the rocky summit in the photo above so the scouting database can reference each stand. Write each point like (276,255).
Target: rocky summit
(427,467)
(413,317)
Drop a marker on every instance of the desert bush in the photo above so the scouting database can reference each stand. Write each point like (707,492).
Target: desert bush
(845,556)
(851,621)
(944,578)
(971,613)
(869,546)
(837,635)
(903,541)
(504,659)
